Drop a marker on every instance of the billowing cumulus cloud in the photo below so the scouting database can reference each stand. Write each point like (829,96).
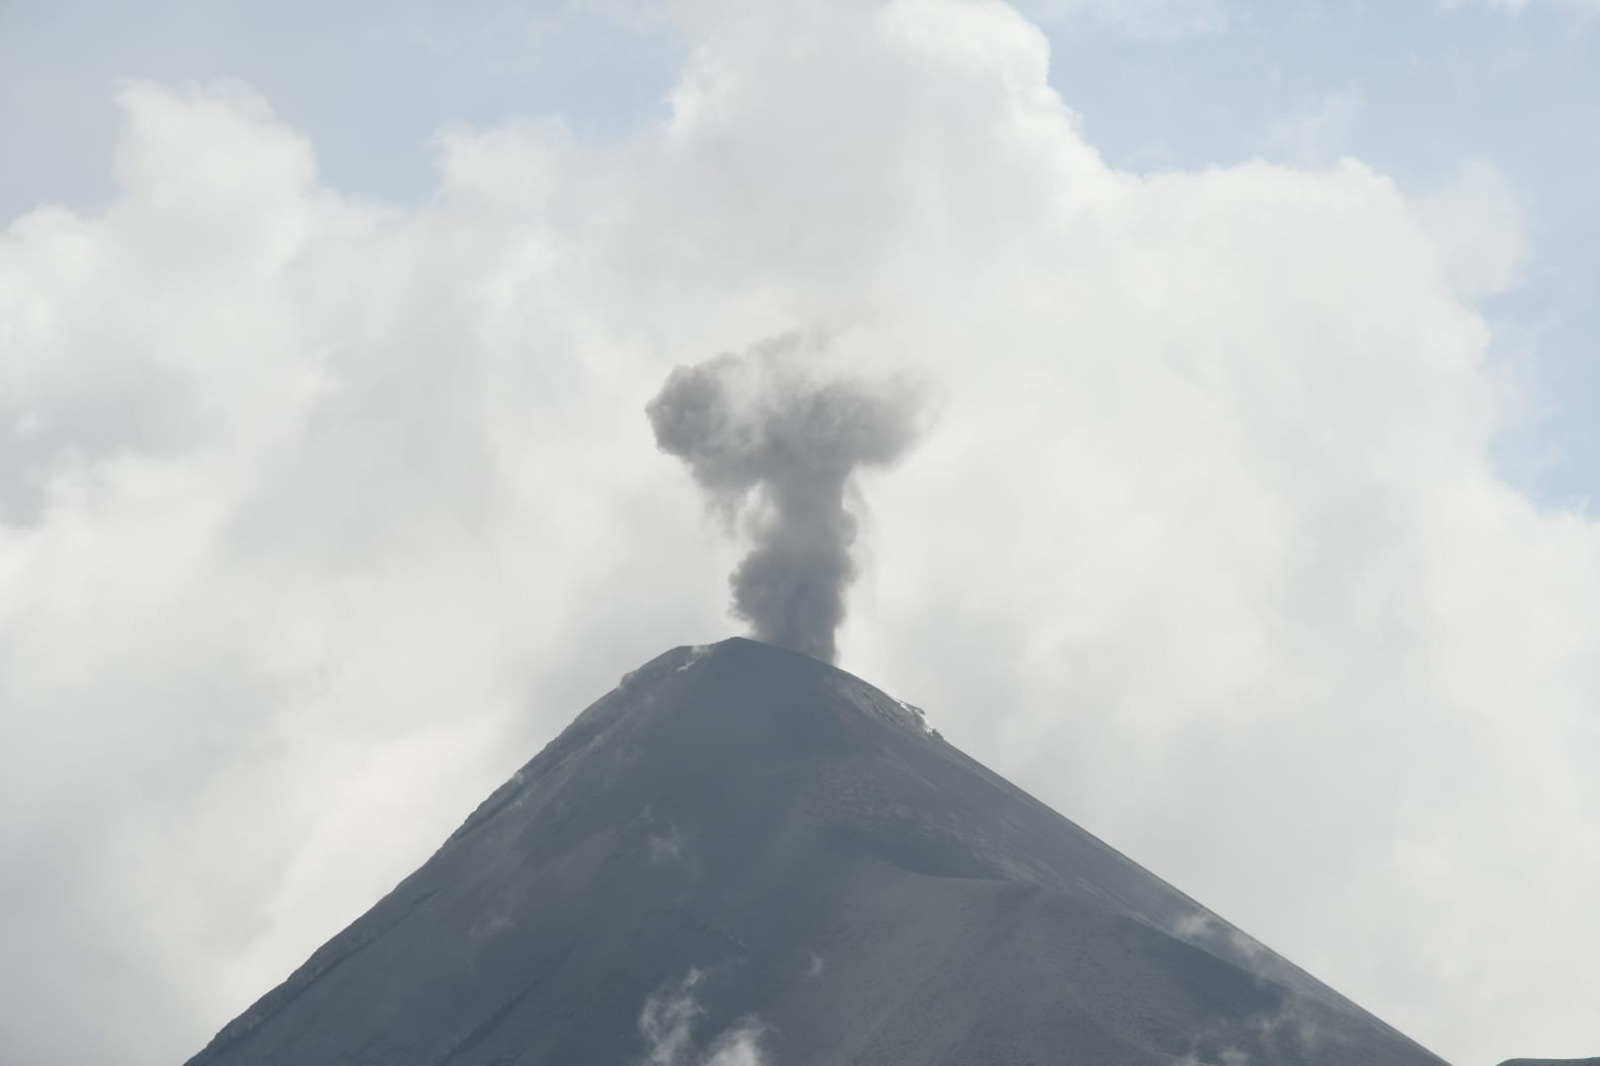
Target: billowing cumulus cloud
(317,516)
(777,424)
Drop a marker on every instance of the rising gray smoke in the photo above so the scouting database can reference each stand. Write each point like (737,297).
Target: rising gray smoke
(771,425)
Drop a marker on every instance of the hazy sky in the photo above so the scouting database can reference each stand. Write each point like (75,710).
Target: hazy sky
(1252,530)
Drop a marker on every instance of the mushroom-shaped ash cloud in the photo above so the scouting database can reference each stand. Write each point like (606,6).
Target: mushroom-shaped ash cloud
(774,436)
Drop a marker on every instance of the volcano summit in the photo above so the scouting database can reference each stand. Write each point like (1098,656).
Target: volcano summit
(742,855)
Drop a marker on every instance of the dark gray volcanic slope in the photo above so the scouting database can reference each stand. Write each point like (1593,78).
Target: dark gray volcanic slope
(789,849)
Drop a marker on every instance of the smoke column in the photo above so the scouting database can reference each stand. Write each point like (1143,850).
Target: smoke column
(774,426)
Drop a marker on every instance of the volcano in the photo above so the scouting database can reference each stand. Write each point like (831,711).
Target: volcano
(745,856)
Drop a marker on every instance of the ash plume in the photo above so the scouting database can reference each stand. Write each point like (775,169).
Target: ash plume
(775,435)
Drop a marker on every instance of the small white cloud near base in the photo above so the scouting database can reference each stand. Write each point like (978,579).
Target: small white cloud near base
(667,1024)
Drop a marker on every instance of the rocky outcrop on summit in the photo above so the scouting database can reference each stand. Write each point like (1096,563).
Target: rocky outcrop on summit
(745,852)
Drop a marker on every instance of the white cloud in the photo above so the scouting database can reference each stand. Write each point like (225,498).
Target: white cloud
(1318,136)
(1494,5)
(740,1046)
(667,1023)
(319,516)
(1516,7)
(1161,18)
(1476,225)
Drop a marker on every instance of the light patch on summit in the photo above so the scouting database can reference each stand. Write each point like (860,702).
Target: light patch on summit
(921,717)
(903,714)
(696,653)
